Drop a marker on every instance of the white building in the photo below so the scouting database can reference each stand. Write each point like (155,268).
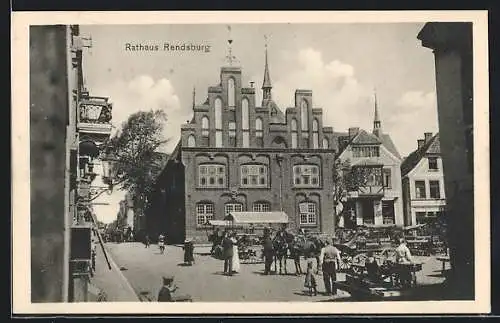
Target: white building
(378,201)
(423,182)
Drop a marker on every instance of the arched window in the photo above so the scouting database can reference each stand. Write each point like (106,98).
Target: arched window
(261,206)
(230,93)
(245,122)
(259,132)
(294,133)
(205,132)
(304,115)
(232,207)
(306,176)
(218,122)
(315,134)
(204,213)
(307,213)
(211,175)
(254,175)
(191,141)
(326,145)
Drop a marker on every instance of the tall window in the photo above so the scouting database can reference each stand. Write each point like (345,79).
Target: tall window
(304,115)
(306,176)
(434,190)
(388,212)
(212,175)
(261,207)
(218,122)
(326,144)
(373,151)
(433,163)
(307,213)
(232,134)
(387,177)
(231,92)
(259,133)
(245,122)
(255,175)
(420,217)
(315,134)
(191,141)
(305,139)
(294,133)
(204,213)
(420,189)
(232,207)
(205,133)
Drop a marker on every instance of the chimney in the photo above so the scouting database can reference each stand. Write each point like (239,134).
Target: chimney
(427,136)
(420,143)
(353,131)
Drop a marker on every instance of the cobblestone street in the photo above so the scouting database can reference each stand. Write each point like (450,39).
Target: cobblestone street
(144,267)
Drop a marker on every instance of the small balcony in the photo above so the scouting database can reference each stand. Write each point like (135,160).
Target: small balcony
(94,118)
(367,192)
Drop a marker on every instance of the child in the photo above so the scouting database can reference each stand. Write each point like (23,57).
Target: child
(310,281)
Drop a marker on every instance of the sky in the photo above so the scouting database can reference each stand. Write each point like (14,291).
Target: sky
(343,64)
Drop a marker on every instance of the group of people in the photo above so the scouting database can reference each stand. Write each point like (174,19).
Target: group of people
(329,262)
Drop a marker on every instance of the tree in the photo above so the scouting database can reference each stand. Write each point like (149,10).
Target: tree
(134,147)
(347,179)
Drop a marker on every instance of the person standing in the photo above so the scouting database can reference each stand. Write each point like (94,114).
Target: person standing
(161,243)
(188,251)
(268,252)
(227,252)
(236,256)
(403,259)
(147,241)
(329,259)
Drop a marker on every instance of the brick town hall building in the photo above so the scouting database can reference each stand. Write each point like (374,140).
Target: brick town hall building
(237,156)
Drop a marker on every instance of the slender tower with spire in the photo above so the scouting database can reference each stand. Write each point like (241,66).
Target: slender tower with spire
(194,97)
(377,125)
(266,84)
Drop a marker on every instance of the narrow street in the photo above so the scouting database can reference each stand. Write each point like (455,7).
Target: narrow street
(144,268)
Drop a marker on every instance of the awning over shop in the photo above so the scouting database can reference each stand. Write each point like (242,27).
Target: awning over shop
(257,217)
(220,223)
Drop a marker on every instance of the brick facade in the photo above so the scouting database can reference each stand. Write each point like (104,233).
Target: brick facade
(235,152)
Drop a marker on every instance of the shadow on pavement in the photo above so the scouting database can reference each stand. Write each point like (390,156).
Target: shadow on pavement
(182,264)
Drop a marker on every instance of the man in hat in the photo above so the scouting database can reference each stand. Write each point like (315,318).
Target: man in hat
(168,290)
(268,252)
(188,251)
(227,252)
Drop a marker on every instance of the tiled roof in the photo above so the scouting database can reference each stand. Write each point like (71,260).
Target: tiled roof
(432,147)
(389,144)
(364,137)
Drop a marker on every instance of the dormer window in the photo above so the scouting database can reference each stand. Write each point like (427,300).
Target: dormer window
(365,151)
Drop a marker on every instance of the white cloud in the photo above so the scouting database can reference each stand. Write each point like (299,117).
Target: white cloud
(345,101)
(143,93)
(417,113)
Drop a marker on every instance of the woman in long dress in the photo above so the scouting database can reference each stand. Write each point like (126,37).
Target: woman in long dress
(236,257)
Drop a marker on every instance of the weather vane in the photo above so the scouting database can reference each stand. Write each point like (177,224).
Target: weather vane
(230,57)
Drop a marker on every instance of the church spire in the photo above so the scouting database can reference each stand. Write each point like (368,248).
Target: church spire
(377,125)
(266,84)
(194,97)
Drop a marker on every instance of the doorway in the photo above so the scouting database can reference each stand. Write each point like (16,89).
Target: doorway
(368,212)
